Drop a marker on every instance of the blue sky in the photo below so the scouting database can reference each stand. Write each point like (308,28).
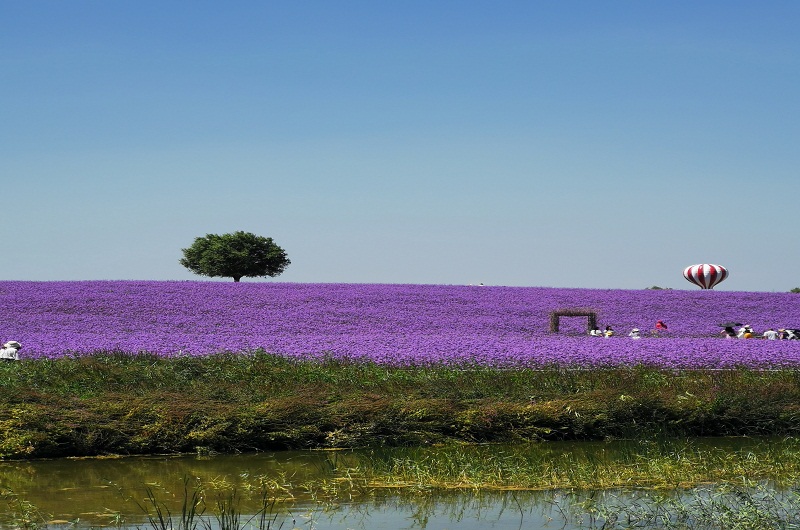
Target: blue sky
(564,144)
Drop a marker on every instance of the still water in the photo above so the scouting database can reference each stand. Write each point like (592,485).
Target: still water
(114,492)
(118,492)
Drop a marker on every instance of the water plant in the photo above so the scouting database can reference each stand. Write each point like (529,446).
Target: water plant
(662,464)
(21,513)
(658,482)
(738,505)
(225,513)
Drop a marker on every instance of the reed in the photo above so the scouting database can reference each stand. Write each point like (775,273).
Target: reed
(161,518)
(744,505)
(224,514)
(21,513)
(760,498)
(659,466)
(139,404)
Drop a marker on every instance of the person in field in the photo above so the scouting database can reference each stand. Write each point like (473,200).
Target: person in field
(10,351)
(661,327)
(729,332)
(595,332)
(634,334)
(745,332)
(608,332)
(770,334)
(789,334)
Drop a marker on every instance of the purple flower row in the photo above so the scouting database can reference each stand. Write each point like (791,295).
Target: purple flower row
(395,324)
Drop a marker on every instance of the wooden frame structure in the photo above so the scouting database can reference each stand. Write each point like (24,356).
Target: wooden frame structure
(590,315)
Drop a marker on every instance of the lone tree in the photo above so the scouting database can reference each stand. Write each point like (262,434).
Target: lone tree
(236,255)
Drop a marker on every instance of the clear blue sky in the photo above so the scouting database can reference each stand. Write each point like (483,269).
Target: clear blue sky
(566,144)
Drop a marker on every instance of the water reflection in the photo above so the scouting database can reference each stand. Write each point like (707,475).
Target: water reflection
(113,491)
(70,489)
(87,493)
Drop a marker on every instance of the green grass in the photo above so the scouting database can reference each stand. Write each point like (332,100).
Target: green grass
(138,404)
(664,464)
(678,484)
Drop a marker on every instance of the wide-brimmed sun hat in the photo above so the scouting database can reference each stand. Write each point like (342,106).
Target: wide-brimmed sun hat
(12,344)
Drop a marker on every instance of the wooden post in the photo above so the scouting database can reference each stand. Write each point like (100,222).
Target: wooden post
(555,316)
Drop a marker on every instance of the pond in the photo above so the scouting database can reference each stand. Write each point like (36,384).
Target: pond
(306,489)
(114,492)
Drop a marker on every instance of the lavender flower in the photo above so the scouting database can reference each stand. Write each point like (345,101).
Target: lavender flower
(407,325)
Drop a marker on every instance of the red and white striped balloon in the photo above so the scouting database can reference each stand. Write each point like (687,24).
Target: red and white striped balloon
(705,275)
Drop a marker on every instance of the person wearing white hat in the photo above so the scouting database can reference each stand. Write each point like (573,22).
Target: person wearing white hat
(10,351)
(634,334)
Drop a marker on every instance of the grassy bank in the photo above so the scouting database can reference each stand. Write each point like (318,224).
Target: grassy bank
(122,404)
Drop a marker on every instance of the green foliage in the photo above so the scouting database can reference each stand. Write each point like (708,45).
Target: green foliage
(253,401)
(795,290)
(236,255)
(161,518)
(662,463)
(424,480)
(20,513)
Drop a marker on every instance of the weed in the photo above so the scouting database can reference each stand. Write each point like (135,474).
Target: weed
(22,514)
(252,401)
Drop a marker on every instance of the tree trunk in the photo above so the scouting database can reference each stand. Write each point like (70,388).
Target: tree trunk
(236,278)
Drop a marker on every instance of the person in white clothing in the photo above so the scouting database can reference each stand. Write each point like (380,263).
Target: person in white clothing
(634,334)
(10,351)
(770,334)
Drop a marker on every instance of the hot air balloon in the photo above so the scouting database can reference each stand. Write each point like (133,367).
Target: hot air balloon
(705,275)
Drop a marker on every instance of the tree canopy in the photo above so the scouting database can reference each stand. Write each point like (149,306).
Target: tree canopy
(236,255)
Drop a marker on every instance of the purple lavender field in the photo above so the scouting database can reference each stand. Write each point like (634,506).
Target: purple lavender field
(395,324)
